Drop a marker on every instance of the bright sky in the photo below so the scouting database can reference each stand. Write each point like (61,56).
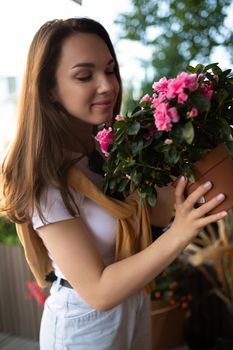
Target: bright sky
(19,20)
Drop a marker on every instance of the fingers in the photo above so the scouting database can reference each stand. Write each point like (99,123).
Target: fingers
(195,196)
(179,192)
(212,218)
(207,207)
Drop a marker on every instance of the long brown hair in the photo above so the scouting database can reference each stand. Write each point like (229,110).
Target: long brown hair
(36,159)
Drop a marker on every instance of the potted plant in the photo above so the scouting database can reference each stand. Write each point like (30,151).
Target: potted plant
(171,129)
(170,305)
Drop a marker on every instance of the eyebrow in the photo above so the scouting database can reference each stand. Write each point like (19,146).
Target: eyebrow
(90,65)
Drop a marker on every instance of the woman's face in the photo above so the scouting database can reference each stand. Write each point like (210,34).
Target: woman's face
(86,85)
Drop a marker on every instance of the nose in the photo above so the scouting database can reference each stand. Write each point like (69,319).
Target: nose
(105,84)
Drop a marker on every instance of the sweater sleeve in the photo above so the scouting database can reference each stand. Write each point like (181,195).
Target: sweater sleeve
(53,207)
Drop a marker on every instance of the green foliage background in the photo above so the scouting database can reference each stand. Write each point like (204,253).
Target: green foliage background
(178,32)
(8,233)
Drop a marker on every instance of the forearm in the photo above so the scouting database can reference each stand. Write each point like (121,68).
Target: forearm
(123,278)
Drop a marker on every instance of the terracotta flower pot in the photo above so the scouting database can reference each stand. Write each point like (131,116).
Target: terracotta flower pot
(216,167)
(167,324)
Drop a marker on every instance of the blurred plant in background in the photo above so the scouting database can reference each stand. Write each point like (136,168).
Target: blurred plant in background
(8,233)
(212,253)
(176,32)
(173,286)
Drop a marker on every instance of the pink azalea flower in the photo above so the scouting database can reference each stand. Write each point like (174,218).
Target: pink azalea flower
(173,114)
(157,100)
(146,98)
(183,81)
(162,119)
(207,91)
(119,117)
(182,97)
(161,85)
(168,142)
(104,137)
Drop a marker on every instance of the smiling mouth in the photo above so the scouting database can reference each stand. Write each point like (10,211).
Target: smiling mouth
(103,104)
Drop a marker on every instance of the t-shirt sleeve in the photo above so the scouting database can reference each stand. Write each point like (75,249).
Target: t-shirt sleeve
(54,209)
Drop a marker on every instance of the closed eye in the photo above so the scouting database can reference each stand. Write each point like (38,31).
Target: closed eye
(86,78)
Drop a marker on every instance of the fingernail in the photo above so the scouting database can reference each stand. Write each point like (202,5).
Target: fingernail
(220,196)
(207,184)
(223,213)
(201,200)
(182,179)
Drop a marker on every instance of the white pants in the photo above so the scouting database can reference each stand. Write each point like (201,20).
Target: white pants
(69,323)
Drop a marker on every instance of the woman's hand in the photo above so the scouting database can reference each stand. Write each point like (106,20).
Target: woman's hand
(189,221)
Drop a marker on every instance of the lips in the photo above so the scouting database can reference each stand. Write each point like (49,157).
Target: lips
(104,103)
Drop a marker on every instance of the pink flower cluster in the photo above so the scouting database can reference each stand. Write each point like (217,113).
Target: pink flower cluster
(105,138)
(165,113)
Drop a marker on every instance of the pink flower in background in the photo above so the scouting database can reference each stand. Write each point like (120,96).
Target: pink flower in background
(36,292)
(119,117)
(104,137)
(207,91)
(194,112)
(146,98)
(161,85)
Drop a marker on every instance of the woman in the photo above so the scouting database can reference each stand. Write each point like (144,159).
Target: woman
(72,84)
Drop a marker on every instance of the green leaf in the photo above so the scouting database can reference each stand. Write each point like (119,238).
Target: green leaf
(172,155)
(216,70)
(141,113)
(137,146)
(136,109)
(225,126)
(122,185)
(145,104)
(118,124)
(199,68)
(210,66)
(200,102)
(188,132)
(136,178)
(190,69)
(132,129)
(225,73)
(152,200)
(112,184)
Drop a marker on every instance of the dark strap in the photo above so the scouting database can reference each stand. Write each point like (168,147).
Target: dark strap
(65,283)
(51,277)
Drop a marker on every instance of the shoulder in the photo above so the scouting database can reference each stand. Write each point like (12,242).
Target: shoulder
(53,207)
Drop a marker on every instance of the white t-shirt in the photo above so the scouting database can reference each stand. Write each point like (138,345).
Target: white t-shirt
(100,223)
